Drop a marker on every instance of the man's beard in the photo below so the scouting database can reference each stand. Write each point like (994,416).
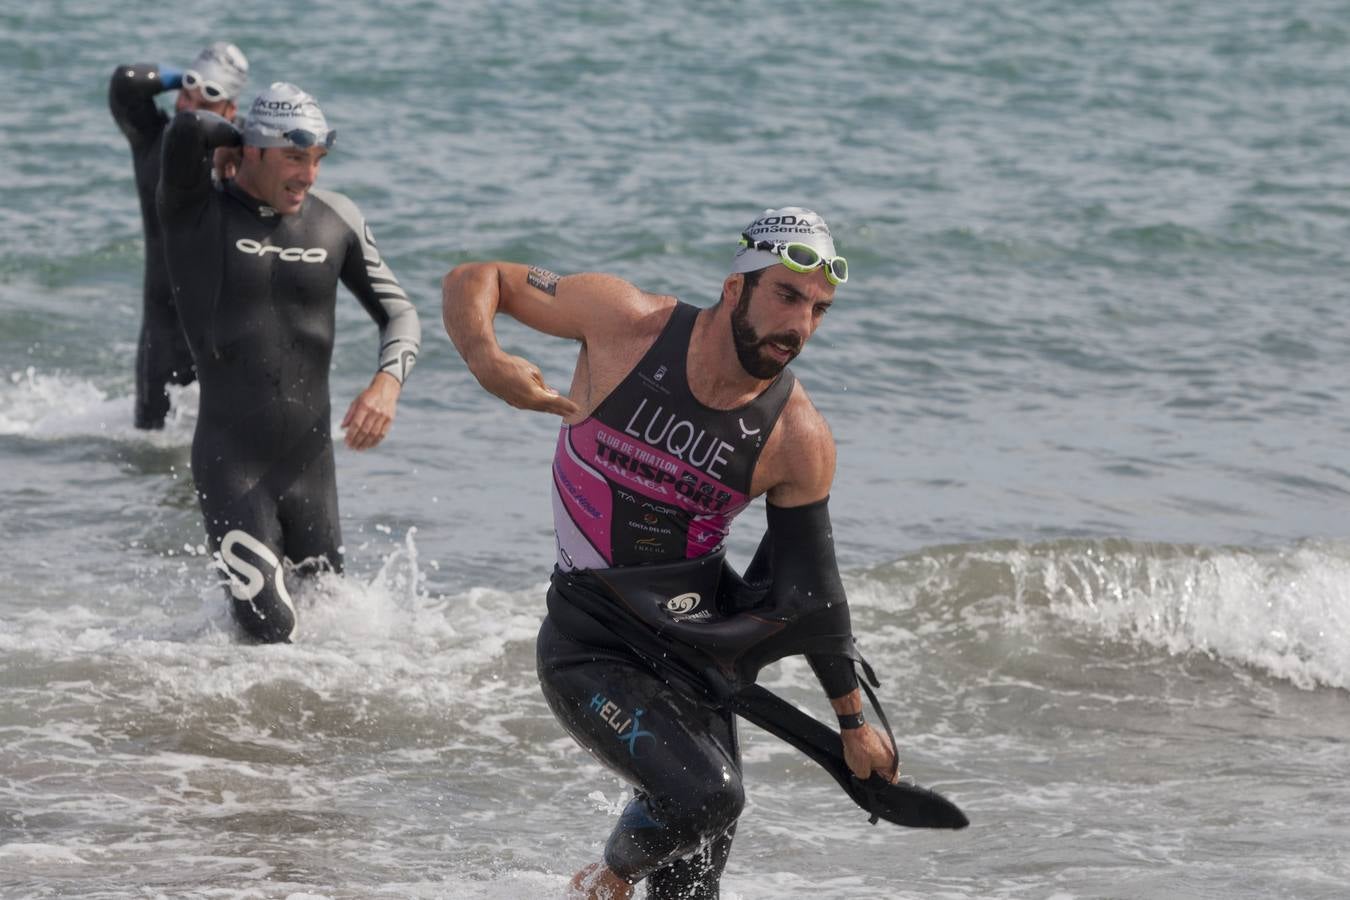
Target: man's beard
(748,343)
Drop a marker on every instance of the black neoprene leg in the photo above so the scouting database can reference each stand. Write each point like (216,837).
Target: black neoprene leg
(244,530)
(696,877)
(682,755)
(162,358)
(309,507)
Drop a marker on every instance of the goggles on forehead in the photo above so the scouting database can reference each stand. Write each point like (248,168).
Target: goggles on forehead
(211,90)
(266,136)
(801,257)
(304,138)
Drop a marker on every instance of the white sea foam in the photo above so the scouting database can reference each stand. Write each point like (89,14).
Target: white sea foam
(161,720)
(376,655)
(40,854)
(1284,611)
(57,405)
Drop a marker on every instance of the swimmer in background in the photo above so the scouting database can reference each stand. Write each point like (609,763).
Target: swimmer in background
(255,262)
(212,82)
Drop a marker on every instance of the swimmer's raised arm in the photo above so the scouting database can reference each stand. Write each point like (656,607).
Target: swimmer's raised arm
(589,307)
(189,145)
(131,98)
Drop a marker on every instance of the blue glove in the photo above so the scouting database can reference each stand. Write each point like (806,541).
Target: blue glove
(171,78)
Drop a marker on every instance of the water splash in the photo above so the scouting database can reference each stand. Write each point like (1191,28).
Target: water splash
(1285,611)
(61,406)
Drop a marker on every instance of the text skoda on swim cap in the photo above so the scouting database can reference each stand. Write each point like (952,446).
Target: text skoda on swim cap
(789,223)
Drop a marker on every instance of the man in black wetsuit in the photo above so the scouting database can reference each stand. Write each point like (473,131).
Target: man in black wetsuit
(211,83)
(676,419)
(255,263)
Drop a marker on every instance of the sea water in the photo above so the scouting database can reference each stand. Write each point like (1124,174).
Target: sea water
(1087,383)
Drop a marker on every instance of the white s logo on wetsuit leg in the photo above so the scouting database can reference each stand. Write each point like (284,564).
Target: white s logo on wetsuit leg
(246,580)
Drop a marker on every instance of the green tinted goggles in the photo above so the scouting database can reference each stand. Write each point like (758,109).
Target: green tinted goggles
(801,257)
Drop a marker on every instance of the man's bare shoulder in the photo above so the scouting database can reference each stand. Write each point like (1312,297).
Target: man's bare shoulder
(797,465)
(803,425)
(614,308)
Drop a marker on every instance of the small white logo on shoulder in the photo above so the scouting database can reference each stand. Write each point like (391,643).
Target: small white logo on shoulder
(285,254)
(684,603)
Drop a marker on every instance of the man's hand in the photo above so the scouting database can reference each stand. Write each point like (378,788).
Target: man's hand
(867,751)
(372,412)
(225,161)
(520,383)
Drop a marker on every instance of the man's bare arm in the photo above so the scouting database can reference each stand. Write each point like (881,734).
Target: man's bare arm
(582,307)
(797,466)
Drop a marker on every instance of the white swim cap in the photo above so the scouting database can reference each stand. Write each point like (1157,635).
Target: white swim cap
(224,64)
(285,116)
(791,224)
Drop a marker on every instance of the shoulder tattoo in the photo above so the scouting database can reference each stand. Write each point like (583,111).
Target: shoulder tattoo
(544,280)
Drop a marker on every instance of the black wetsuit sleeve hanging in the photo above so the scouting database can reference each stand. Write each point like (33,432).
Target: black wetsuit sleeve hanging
(131,100)
(796,563)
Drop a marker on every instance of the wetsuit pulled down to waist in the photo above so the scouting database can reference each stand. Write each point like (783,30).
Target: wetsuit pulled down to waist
(638,663)
(699,621)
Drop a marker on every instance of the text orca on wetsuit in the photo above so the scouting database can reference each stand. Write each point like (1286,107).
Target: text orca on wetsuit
(212,83)
(255,263)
